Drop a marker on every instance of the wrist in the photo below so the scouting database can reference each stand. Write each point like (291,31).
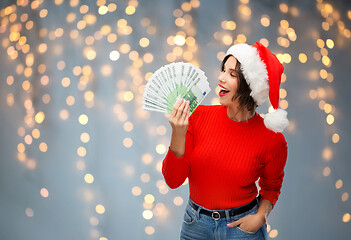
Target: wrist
(261,217)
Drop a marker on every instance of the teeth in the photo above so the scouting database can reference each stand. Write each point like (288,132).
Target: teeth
(222,88)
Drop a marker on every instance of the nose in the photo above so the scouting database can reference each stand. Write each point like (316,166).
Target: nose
(221,77)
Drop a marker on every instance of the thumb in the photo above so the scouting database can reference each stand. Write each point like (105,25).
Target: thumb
(233,224)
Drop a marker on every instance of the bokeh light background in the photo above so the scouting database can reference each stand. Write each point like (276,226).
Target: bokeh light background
(80,159)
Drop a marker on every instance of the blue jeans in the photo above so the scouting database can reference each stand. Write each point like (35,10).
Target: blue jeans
(199,226)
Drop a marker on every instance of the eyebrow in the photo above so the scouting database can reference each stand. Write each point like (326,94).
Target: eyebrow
(231,69)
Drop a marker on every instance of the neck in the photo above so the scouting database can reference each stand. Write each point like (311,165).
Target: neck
(238,116)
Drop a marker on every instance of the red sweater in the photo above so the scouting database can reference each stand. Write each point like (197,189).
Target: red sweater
(224,158)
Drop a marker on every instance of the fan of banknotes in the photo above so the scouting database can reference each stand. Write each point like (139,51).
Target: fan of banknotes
(173,82)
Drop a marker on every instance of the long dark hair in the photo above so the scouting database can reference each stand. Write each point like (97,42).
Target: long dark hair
(243,91)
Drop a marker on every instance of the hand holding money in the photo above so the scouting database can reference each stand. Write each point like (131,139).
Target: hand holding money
(179,120)
(179,117)
(173,82)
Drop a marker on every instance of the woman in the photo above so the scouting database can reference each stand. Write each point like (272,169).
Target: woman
(224,149)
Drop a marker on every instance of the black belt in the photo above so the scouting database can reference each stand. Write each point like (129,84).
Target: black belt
(221,214)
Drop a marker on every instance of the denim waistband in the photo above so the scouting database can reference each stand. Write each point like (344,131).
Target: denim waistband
(226,211)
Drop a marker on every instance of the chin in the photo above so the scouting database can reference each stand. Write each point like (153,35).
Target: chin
(223,102)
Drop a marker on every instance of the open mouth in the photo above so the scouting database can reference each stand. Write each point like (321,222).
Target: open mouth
(223,91)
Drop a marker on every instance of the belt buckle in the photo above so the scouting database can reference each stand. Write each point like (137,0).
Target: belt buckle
(216,213)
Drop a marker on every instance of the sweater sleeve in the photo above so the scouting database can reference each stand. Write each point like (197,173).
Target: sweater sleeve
(176,170)
(272,176)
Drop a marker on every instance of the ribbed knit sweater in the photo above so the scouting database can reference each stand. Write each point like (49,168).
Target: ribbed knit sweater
(223,159)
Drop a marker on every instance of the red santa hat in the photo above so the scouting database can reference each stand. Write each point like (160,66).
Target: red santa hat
(262,71)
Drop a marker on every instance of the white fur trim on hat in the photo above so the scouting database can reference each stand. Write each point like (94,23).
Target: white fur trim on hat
(254,70)
(276,121)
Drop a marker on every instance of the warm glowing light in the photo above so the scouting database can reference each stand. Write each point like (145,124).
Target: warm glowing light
(149,198)
(128,126)
(335,138)
(160,148)
(178,201)
(35,133)
(64,114)
(80,165)
(145,177)
(230,25)
(330,119)
(326,171)
(327,154)
(323,73)
(320,43)
(21,148)
(147,214)
(179,40)
(128,96)
(65,82)
(29,212)
(88,178)
(44,192)
(330,77)
(161,130)
(77,70)
(330,43)
(241,38)
(265,20)
(114,55)
(149,230)
(81,151)
(302,57)
(89,53)
(10,99)
(273,233)
(284,23)
(287,57)
(103,10)
(89,96)
(70,100)
(327,108)
(100,209)
(127,142)
(244,10)
(186,6)
(147,158)
(344,197)
(338,184)
(227,39)
(282,93)
(39,117)
(83,119)
(84,137)
(346,218)
(283,7)
(106,70)
(124,48)
(148,57)
(130,10)
(136,191)
(94,221)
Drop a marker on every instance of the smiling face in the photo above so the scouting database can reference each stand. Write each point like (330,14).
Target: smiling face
(228,81)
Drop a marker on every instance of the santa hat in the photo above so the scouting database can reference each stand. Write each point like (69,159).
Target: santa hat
(262,71)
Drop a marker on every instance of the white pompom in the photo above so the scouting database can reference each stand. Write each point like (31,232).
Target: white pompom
(276,121)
